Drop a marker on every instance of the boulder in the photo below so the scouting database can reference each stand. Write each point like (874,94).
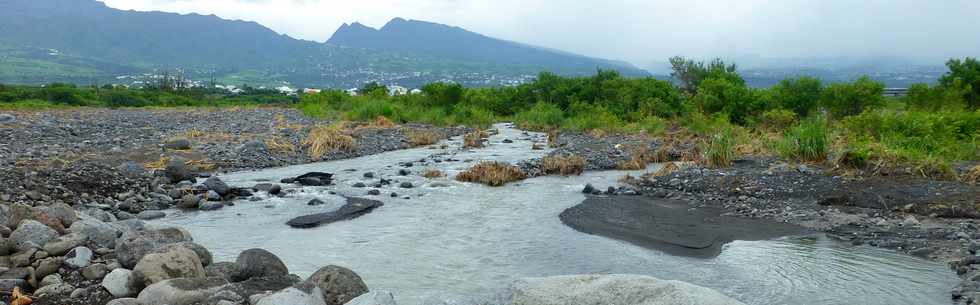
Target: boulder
(179,262)
(181,291)
(189,201)
(260,263)
(212,195)
(177,170)
(54,290)
(100,233)
(151,215)
(132,247)
(60,211)
(315,201)
(95,272)
(177,144)
(612,290)
(9,284)
(261,285)
(121,283)
(215,184)
(338,284)
(79,257)
(210,205)
(227,270)
(354,208)
(374,298)
(270,188)
(202,253)
(124,301)
(6,118)
(31,234)
(293,296)
(52,279)
(48,266)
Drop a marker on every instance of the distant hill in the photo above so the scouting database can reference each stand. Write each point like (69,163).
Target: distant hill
(433,39)
(84,41)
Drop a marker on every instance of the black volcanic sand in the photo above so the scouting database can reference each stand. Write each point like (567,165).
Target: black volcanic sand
(669,225)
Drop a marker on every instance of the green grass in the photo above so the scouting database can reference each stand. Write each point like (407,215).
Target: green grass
(542,116)
(719,150)
(808,141)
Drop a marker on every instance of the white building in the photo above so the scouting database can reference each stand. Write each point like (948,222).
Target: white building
(286,90)
(311,91)
(397,90)
(352,91)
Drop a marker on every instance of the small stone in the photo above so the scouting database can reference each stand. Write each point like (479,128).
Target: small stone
(120,283)
(406,185)
(53,279)
(394,195)
(210,206)
(315,202)
(374,192)
(79,257)
(151,215)
(369,175)
(589,189)
(177,144)
(359,185)
(404,172)
(95,271)
(189,201)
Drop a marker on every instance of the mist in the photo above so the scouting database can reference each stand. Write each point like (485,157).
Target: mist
(646,33)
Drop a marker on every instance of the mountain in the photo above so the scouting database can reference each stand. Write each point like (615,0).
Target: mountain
(85,41)
(433,39)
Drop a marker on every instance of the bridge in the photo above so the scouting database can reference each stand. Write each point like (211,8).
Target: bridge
(896,92)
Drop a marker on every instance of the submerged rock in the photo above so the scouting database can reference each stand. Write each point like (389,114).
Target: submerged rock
(354,208)
(613,289)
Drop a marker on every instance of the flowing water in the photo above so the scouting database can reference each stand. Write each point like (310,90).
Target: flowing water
(457,239)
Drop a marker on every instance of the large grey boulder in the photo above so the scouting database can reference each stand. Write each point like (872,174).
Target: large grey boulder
(293,296)
(613,290)
(338,284)
(177,170)
(215,184)
(60,211)
(124,301)
(131,247)
(79,257)
(60,245)
(181,291)
(179,262)
(32,234)
(98,232)
(121,283)
(260,263)
(374,298)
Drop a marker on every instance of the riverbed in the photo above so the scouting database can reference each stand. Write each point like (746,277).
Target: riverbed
(458,241)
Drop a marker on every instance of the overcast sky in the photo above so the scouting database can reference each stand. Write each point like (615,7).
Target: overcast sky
(644,32)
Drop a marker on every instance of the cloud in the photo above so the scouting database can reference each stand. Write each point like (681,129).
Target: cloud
(644,31)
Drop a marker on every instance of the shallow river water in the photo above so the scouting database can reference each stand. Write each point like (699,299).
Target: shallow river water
(453,239)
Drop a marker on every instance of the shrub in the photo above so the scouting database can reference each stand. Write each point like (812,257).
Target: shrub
(808,141)
(563,165)
(373,108)
(922,97)
(722,96)
(652,125)
(423,137)
(492,173)
(326,139)
(543,116)
(846,99)
(964,74)
(473,116)
(590,117)
(914,135)
(474,139)
(432,173)
(778,119)
(719,150)
(799,95)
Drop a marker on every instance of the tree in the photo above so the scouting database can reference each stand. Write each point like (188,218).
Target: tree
(846,99)
(801,95)
(964,75)
(374,89)
(691,73)
(926,98)
(444,95)
(720,95)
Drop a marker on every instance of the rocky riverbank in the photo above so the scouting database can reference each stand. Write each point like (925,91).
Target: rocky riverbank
(922,217)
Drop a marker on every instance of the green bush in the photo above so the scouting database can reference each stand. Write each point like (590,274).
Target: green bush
(964,74)
(925,98)
(473,116)
(808,141)
(543,116)
(778,118)
(722,96)
(846,99)
(916,135)
(373,108)
(719,150)
(800,95)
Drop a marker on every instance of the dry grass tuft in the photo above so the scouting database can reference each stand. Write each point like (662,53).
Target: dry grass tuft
(667,169)
(204,136)
(327,139)
(553,139)
(492,173)
(158,164)
(383,122)
(279,145)
(639,159)
(423,137)
(563,165)
(973,175)
(433,173)
(283,123)
(474,139)
(537,146)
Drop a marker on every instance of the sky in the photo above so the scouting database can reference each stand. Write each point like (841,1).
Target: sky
(645,32)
